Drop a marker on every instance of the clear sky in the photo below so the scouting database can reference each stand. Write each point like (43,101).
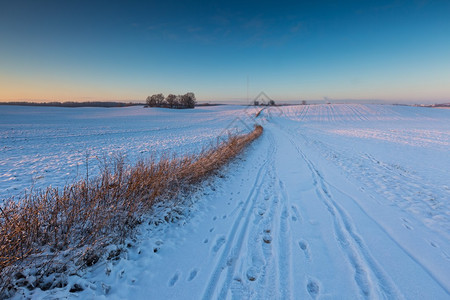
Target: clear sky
(292,50)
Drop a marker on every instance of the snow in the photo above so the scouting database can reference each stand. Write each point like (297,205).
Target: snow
(333,201)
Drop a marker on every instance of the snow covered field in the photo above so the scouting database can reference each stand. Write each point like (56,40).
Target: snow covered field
(332,202)
(49,145)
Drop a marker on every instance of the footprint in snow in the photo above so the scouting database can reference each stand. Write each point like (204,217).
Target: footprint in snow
(295,214)
(252,274)
(192,275)
(406,223)
(303,245)
(407,226)
(313,288)
(305,248)
(220,241)
(174,279)
(267,238)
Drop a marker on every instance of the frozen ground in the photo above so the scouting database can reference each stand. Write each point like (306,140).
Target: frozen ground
(332,202)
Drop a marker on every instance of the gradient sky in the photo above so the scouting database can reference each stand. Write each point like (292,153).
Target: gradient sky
(293,50)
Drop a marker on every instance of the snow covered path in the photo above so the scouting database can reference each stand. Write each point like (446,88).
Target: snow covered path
(308,212)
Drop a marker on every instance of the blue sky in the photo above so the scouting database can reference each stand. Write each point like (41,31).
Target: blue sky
(396,51)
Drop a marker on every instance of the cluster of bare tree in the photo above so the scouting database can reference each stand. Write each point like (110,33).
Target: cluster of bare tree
(172,101)
(257,103)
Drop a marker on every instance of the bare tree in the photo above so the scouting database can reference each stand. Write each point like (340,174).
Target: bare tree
(171,100)
(155,100)
(188,100)
(159,99)
(150,101)
(191,101)
(177,102)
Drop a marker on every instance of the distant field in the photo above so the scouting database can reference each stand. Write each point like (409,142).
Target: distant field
(48,145)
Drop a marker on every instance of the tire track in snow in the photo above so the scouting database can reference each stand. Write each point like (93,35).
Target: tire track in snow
(409,184)
(233,245)
(359,256)
(284,248)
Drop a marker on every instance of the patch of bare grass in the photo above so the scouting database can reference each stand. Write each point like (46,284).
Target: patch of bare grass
(50,229)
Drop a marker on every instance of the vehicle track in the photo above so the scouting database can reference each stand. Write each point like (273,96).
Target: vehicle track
(234,241)
(284,247)
(366,269)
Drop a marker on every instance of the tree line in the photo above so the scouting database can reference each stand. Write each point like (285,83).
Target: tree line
(72,104)
(172,101)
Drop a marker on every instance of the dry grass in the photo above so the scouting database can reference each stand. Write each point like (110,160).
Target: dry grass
(80,220)
(259,112)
